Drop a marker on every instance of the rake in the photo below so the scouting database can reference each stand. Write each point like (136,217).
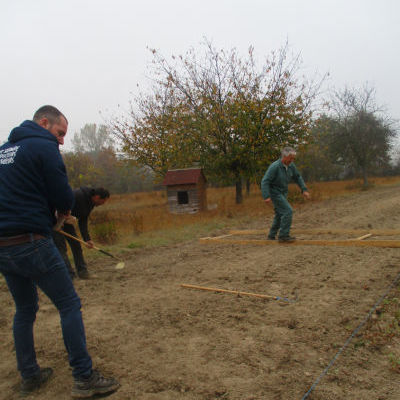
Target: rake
(120,264)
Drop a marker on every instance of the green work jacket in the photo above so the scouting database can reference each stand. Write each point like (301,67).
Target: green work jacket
(277,178)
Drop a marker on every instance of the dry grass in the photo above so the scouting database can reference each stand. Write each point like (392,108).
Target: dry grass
(326,190)
(139,219)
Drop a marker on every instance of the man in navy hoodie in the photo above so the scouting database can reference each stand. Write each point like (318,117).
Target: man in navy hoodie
(33,186)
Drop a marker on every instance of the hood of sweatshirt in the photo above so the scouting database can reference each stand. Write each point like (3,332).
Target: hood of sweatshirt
(30,129)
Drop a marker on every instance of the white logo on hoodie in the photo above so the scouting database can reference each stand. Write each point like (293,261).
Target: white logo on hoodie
(7,155)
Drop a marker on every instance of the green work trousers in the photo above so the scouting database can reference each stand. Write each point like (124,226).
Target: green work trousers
(283,216)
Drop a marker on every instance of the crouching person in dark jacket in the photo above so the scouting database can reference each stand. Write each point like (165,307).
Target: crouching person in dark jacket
(33,186)
(85,200)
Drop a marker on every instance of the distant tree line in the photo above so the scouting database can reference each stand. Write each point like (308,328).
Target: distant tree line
(94,162)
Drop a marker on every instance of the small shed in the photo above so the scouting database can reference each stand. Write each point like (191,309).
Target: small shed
(186,190)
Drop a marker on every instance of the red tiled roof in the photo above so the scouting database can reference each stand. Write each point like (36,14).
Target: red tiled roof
(182,176)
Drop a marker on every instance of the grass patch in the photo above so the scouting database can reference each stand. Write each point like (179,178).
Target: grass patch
(139,220)
(162,237)
(384,327)
(176,235)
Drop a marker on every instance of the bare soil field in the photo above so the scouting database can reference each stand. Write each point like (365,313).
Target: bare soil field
(166,342)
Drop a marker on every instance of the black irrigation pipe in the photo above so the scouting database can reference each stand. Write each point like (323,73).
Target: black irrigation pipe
(325,371)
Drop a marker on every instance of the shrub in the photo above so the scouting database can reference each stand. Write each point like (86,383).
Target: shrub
(105,232)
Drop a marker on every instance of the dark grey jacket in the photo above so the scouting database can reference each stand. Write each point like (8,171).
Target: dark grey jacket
(277,178)
(82,208)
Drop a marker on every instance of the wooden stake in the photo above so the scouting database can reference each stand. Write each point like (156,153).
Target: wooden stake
(364,236)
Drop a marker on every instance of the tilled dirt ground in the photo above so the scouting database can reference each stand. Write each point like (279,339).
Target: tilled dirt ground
(166,342)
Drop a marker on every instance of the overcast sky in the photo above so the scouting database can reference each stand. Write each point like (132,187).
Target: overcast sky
(86,56)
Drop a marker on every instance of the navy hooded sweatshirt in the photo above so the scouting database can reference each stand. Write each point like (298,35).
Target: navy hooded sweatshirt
(33,181)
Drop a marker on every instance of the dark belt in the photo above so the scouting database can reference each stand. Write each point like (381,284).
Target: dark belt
(19,239)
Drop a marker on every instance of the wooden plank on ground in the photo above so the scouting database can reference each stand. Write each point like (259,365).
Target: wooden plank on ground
(345,243)
(211,289)
(374,232)
(216,237)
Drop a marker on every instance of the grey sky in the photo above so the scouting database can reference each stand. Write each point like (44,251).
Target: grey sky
(87,56)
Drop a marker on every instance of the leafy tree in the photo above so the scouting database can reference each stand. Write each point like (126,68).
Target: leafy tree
(107,170)
(155,136)
(218,110)
(80,169)
(316,159)
(94,162)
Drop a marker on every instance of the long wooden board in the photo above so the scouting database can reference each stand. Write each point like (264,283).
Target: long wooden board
(212,289)
(355,232)
(301,242)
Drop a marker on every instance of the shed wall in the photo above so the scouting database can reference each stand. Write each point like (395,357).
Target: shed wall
(196,198)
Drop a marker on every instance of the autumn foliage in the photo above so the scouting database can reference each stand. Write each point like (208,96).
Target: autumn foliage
(220,111)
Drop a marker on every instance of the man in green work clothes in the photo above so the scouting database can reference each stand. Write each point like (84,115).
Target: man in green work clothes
(274,187)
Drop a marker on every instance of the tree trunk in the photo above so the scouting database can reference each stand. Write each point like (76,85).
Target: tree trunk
(248,187)
(239,193)
(365,177)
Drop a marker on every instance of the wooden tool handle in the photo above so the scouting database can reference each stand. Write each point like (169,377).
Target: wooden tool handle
(75,238)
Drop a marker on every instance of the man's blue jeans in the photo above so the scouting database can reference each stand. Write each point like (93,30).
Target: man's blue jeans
(38,263)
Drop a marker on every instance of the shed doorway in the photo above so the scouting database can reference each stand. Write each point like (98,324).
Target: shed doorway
(183,197)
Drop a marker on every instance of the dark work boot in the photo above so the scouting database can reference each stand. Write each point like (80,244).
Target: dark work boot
(287,239)
(95,384)
(35,382)
(83,273)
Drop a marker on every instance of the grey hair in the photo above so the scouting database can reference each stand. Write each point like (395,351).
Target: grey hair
(287,151)
(49,112)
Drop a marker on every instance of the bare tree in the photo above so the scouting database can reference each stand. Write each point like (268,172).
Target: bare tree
(92,138)
(361,132)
